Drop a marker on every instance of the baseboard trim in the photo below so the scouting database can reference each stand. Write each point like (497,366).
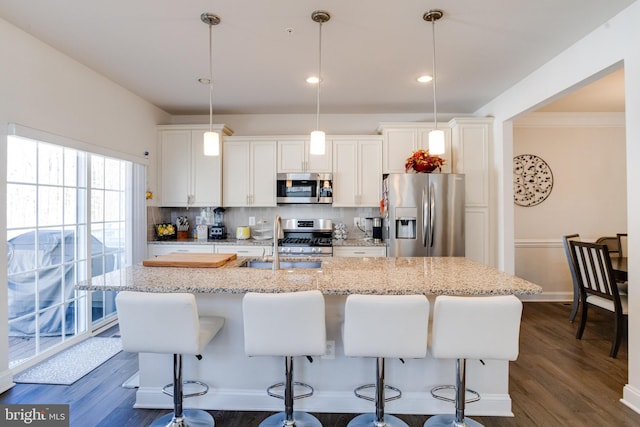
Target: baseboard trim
(6,381)
(416,403)
(631,397)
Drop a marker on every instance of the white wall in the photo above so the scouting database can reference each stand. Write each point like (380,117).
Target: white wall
(609,47)
(587,155)
(42,89)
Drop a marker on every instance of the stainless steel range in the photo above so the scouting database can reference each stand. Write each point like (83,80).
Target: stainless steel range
(306,237)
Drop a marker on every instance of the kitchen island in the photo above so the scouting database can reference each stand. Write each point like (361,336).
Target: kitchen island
(238,382)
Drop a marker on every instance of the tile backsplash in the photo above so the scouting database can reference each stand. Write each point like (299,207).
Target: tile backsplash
(234,217)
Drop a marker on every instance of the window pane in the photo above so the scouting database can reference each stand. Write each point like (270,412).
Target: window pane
(21,206)
(112,174)
(50,203)
(70,167)
(22,256)
(50,164)
(49,286)
(97,171)
(97,205)
(70,206)
(112,206)
(21,160)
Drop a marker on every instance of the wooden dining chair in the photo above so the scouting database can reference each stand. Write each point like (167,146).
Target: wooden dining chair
(622,244)
(612,244)
(598,287)
(572,269)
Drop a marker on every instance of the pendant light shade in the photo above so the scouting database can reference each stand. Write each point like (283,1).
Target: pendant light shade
(436,136)
(211,144)
(318,140)
(317,144)
(436,141)
(211,138)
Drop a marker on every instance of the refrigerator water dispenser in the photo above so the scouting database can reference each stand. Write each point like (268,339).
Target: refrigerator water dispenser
(406,223)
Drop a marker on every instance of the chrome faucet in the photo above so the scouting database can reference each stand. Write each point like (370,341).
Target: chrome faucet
(277,234)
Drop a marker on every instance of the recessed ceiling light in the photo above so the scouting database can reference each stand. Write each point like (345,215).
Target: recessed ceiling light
(313,80)
(424,79)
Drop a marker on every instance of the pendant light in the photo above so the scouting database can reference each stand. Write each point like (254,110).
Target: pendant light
(436,136)
(317,144)
(211,138)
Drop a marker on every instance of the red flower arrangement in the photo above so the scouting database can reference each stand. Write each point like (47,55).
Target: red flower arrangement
(421,161)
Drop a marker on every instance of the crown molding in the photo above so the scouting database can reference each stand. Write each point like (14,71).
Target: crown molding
(570,120)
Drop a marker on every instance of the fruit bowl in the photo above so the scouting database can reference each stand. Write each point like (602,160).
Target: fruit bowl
(165,231)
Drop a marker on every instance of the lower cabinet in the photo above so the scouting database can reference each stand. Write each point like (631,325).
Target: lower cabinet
(257,251)
(359,251)
(155,249)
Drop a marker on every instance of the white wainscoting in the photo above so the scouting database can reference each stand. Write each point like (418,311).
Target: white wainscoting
(543,262)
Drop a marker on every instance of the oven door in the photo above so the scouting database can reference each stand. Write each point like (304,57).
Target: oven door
(303,188)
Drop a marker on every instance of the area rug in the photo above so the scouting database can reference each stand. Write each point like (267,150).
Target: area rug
(73,363)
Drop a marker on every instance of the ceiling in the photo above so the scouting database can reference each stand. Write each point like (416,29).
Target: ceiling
(373,50)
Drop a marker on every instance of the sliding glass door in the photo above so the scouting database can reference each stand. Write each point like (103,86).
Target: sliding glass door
(68,219)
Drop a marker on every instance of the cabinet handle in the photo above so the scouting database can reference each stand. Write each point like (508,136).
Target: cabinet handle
(359,252)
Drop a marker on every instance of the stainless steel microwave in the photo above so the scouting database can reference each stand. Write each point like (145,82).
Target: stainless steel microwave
(304,188)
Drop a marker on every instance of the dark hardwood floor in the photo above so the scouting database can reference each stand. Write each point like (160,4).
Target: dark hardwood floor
(556,381)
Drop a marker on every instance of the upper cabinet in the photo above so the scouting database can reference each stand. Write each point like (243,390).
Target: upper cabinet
(293,157)
(187,176)
(357,171)
(402,139)
(471,139)
(249,172)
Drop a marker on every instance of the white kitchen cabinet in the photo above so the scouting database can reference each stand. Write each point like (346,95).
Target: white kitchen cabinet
(294,157)
(155,249)
(399,140)
(188,177)
(357,172)
(359,251)
(471,138)
(249,250)
(249,172)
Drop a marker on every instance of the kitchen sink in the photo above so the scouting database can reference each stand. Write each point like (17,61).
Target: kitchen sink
(283,264)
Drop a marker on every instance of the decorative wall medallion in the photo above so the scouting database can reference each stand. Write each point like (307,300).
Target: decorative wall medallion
(532,180)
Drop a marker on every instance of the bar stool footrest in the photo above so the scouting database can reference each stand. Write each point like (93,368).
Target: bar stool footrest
(435,394)
(167,389)
(398,392)
(272,393)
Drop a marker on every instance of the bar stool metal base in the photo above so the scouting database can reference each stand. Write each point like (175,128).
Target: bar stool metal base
(300,419)
(449,420)
(190,418)
(369,420)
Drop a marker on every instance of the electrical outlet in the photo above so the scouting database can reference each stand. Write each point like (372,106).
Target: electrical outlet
(330,352)
(252,220)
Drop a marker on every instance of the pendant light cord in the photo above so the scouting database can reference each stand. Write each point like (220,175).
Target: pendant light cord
(435,108)
(319,76)
(210,80)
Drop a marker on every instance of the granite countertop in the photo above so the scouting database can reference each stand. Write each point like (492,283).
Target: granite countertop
(337,276)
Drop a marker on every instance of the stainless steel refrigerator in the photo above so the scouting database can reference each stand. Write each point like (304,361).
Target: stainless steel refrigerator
(424,214)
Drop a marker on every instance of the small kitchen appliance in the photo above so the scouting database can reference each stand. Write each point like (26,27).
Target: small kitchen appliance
(243,232)
(376,227)
(306,237)
(218,231)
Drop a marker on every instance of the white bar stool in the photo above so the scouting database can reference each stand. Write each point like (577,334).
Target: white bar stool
(285,324)
(168,323)
(471,328)
(384,326)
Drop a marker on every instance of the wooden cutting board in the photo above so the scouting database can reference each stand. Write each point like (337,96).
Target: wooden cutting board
(189,260)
